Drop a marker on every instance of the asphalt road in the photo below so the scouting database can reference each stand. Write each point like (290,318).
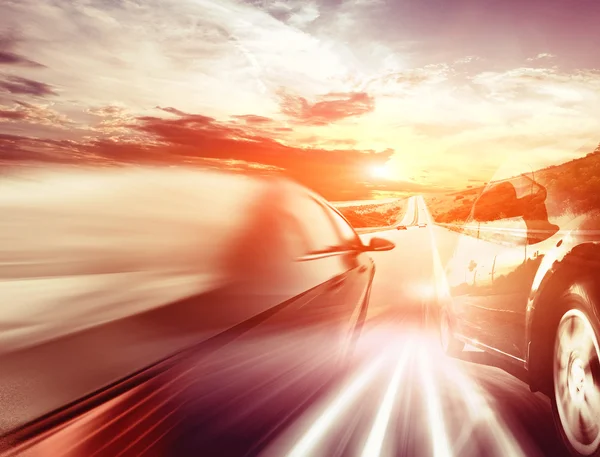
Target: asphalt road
(275,395)
(400,397)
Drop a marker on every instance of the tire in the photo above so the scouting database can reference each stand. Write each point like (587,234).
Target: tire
(450,345)
(576,376)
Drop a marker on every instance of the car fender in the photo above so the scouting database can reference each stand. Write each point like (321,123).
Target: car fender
(573,258)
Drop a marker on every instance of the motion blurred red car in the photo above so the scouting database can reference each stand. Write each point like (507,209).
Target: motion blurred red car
(111,277)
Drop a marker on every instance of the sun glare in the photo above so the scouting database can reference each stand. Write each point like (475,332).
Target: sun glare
(380,172)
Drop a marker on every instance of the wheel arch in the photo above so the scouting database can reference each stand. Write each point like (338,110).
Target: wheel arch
(569,266)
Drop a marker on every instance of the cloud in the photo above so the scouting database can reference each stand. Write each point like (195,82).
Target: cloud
(253,119)
(196,139)
(541,56)
(452,84)
(172,111)
(328,109)
(19,149)
(115,120)
(202,136)
(297,13)
(7,55)
(10,58)
(222,57)
(25,86)
(407,82)
(34,114)
(107,110)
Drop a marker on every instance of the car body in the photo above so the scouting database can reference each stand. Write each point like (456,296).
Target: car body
(514,277)
(110,275)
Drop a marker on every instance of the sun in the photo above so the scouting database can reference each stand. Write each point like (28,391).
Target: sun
(380,172)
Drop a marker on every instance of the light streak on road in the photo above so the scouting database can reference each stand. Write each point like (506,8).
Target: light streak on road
(480,412)
(469,391)
(377,435)
(439,437)
(438,269)
(348,395)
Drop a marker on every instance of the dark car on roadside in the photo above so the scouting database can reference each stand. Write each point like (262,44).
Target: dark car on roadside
(112,277)
(524,285)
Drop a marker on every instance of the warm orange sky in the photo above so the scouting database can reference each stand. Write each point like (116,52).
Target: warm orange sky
(444,91)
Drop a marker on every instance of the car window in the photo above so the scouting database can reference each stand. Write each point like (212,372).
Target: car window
(349,236)
(321,234)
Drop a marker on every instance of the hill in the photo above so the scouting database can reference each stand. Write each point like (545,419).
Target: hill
(573,189)
(375,215)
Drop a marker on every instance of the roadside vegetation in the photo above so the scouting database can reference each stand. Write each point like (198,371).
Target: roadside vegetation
(573,190)
(375,215)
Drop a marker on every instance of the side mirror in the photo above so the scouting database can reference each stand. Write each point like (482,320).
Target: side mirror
(380,244)
(498,202)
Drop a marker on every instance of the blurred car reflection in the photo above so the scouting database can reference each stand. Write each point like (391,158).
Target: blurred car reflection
(109,277)
(527,290)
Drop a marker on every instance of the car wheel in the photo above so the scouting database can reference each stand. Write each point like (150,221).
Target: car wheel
(450,345)
(576,376)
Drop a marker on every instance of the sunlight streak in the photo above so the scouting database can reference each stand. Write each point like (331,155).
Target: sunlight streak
(348,395)
(377,435)
(439,437)
(480,411)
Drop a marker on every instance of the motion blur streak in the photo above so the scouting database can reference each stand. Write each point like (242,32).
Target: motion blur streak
(441,446)
(469,391)
(347,396)
(480,411)
(377,435)
(441,284)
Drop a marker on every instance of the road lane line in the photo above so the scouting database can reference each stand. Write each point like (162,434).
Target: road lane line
(439,437)
(320,427)
(377,435)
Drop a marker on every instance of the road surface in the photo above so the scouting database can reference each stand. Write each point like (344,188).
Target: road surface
(418,403)
(399,397)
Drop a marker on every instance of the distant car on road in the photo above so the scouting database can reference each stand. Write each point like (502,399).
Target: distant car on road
(106,273)
(527,290)
(401,227)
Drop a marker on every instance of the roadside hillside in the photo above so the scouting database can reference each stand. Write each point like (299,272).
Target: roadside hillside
(375,215)
(573,189)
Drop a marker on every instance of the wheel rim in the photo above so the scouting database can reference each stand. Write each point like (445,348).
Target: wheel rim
(577,381)
(445,332)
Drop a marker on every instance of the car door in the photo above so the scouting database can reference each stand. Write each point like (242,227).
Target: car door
(486,237)
(469,278)
(525,240)
(494,216)
(361,269)
(512,228)
(333,267)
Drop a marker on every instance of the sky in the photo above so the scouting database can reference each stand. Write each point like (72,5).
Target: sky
(346,95)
